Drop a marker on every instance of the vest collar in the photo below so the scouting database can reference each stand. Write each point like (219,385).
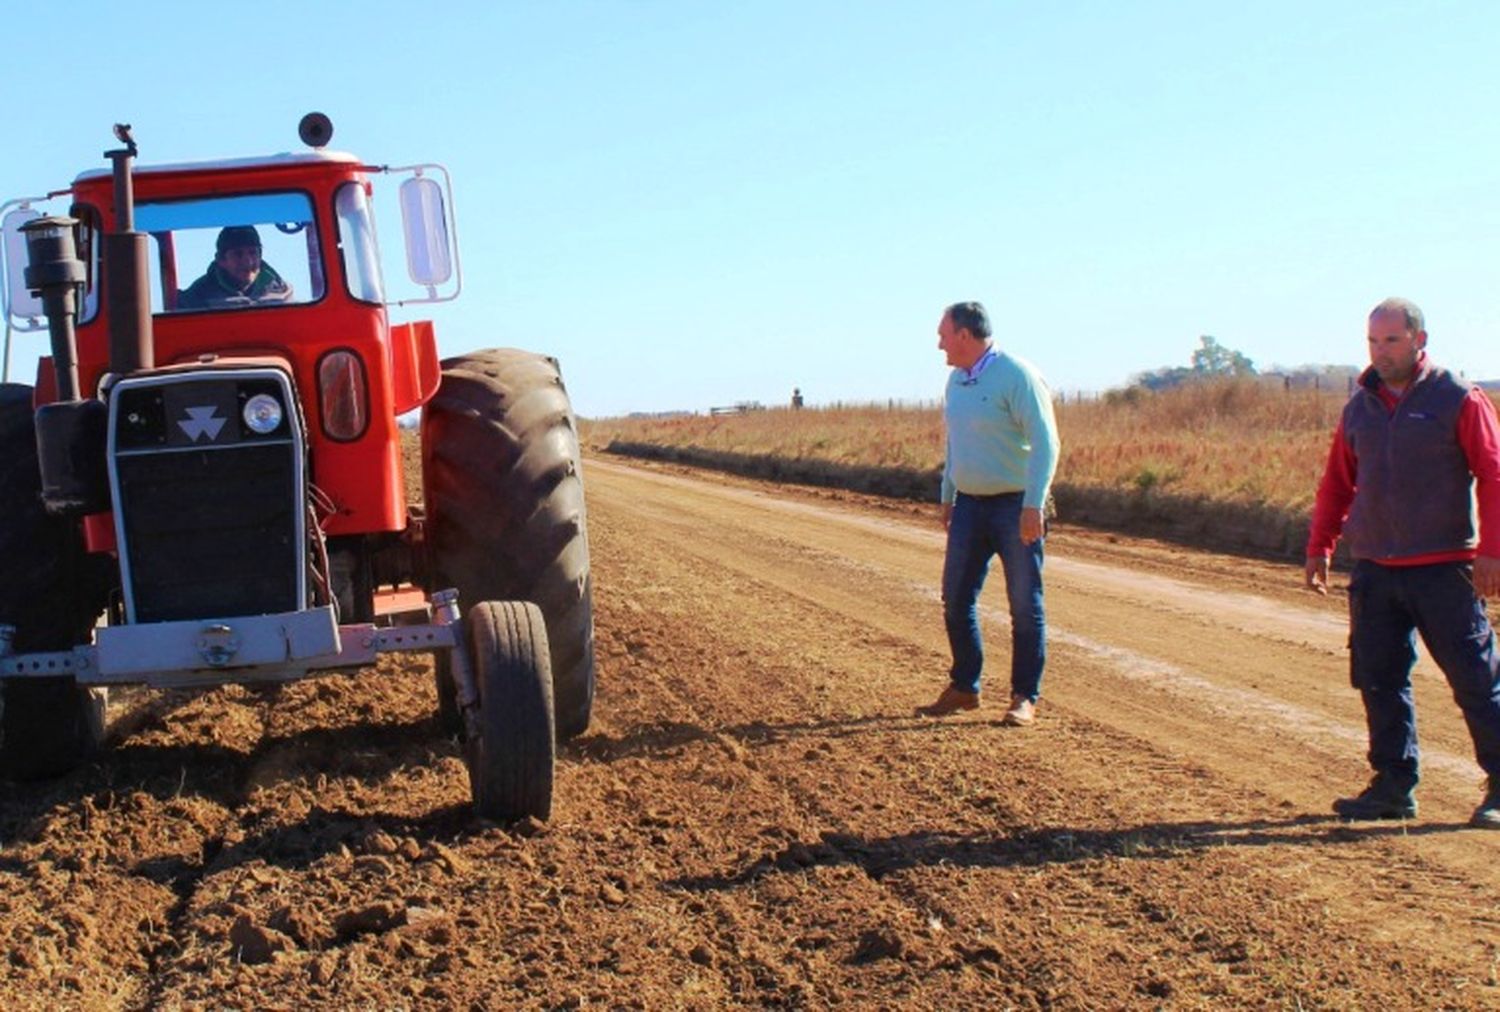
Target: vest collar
(1370,379)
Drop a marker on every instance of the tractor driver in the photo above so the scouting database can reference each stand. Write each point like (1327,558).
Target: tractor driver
(238,277)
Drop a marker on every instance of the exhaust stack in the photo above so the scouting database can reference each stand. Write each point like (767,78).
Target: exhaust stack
(125,282)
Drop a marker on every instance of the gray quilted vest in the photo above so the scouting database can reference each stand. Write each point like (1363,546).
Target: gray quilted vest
(1414,494)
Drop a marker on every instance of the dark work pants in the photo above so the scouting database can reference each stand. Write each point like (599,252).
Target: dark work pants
(1388,606)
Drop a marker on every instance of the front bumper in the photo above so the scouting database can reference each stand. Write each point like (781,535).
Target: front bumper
(258,648)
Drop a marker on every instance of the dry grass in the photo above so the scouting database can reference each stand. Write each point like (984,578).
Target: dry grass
(1244,442)
(896,437)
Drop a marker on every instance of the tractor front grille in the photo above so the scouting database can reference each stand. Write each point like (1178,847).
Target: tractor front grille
(209,515)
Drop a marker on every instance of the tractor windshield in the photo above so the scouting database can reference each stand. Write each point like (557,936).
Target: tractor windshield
(226,253)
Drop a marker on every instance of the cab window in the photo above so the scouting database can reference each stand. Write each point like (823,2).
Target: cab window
(229,253)
(357,248)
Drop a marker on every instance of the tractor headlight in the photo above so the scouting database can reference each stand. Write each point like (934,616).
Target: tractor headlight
(262,414)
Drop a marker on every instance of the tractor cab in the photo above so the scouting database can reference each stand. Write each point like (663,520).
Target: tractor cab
(315,298)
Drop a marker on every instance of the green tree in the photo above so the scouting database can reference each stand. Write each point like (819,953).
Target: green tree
(1213,359)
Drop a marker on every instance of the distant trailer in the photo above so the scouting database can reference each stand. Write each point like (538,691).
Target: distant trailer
(739,408)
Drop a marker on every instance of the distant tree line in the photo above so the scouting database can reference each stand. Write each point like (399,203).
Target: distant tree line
(1211,360)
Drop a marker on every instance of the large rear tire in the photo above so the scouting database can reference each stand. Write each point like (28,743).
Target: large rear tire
(51,590)
(505,507)
(511,763)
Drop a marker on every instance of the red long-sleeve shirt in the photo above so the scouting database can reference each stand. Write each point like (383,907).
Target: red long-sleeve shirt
(1478,436)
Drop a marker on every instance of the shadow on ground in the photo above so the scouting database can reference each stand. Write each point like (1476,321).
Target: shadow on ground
(1048,845)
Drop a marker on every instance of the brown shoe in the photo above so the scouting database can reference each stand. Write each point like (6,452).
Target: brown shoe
(1021,713)
(951,701)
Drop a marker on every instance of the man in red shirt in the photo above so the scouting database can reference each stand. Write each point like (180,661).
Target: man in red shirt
(1415,446)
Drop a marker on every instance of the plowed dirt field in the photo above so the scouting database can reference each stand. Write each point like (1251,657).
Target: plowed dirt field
(757,817)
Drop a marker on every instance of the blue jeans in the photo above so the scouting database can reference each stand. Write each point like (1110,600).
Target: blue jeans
(981,528)
(1388,605)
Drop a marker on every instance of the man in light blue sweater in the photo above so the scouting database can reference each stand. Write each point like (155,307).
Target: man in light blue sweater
(1002,454)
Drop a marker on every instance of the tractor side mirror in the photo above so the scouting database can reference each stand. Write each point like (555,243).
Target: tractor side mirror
(20,302)
(425,196)
(424,222)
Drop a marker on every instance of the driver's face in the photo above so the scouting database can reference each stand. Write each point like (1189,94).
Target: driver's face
(241,263)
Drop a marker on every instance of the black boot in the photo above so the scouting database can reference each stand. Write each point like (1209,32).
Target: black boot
(1387,797)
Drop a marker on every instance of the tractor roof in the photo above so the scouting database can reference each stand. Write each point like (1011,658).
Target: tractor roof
(214,165)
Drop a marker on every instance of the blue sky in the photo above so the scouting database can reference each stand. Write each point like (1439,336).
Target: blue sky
(692,204)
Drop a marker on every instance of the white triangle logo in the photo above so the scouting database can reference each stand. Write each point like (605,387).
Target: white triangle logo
(201,422)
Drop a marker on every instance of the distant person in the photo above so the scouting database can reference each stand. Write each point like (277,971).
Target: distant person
(796,398)
(1413,447)
(238,277)
(1002,451)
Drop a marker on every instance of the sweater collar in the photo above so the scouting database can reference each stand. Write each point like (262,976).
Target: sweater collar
(971,374)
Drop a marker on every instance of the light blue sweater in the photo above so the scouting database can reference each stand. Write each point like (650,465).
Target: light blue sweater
(1001,433)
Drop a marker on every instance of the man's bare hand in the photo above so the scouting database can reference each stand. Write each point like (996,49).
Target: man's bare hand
(1487,576)
(947,515)
(1316,573)
(1032,527)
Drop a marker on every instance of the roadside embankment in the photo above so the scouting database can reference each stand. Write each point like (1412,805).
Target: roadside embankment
(1258,529)
(1231,465)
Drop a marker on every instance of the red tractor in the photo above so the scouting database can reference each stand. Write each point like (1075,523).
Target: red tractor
(205,485)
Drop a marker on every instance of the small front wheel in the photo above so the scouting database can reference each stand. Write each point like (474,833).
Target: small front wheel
(511,761)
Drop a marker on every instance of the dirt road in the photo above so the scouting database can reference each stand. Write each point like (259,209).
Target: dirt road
(758,817)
